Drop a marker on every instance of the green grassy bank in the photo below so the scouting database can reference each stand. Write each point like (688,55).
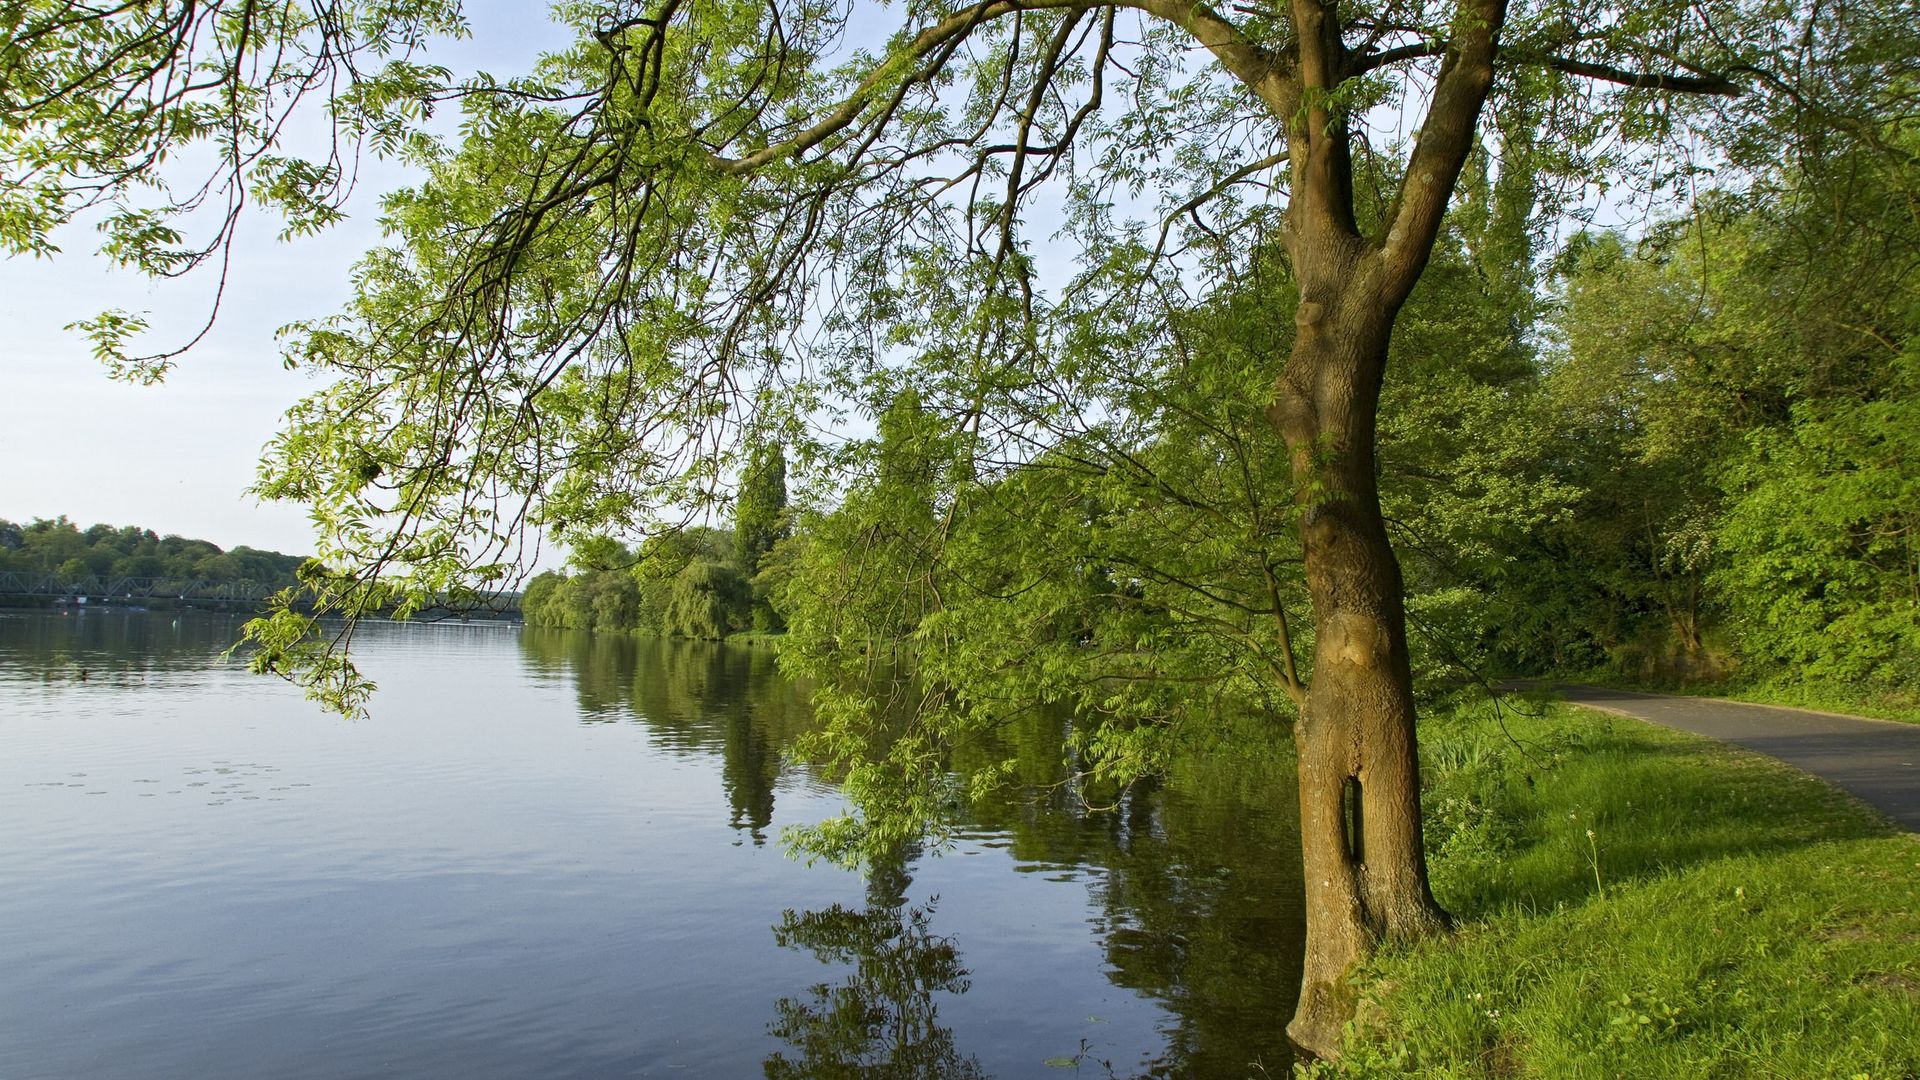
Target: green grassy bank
(1635,902)
(1903,706)
(1883,704)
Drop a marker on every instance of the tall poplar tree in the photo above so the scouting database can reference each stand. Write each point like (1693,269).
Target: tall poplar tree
(760,508)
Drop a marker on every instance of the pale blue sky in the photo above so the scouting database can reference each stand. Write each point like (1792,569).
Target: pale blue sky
(178,457)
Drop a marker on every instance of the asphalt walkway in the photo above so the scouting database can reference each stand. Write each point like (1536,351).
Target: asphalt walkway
(1876,760)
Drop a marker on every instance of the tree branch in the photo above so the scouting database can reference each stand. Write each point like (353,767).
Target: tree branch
(1446,137)
(1704,83)
(1639,80)
(953,27)
(1232,178)
(1268,74)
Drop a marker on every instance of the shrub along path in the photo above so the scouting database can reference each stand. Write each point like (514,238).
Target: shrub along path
(1877,761)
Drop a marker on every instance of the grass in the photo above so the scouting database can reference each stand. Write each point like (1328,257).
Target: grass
(1901,705)
(1887,705)
(1884,704)
(1636,902)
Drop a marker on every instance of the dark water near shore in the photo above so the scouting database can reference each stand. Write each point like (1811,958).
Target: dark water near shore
(549,855)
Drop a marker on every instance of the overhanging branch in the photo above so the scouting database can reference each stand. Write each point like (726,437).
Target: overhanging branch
(928,41)
(1702,83)
(1232,178)
(1642,80)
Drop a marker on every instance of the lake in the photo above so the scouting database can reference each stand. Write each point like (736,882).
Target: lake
(546,854)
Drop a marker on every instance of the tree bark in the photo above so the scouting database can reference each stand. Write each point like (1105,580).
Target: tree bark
(1365,869)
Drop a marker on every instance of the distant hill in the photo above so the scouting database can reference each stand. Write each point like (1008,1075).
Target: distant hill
(107,551)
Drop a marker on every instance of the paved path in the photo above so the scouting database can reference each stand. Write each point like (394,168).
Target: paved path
(1876,760)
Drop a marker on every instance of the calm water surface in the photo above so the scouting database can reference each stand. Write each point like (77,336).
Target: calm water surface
(549,855)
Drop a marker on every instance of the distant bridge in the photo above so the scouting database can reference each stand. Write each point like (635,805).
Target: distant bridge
(140,590)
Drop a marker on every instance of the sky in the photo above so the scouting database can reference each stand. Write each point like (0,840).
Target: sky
(178,457)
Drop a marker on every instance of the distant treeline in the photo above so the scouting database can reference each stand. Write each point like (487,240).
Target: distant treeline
(62,548)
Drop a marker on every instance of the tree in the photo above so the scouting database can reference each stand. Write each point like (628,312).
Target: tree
(102,550)
(760,509)
(1740,384)
(1649,395)
(675,171)
(760,522)
(614,270)
(707,600)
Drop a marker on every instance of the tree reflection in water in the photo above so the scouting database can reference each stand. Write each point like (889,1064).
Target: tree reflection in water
(881,1022)
(1195,879)
(695,698)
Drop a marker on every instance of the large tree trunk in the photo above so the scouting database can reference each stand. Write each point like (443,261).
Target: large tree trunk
(1366,877)
(1366,873)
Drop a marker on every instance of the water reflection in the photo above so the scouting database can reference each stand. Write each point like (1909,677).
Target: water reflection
(520,867)
(1194,881)
(1198,882)
(693,698)
(1202,912)
(881,1021)
(117,647)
